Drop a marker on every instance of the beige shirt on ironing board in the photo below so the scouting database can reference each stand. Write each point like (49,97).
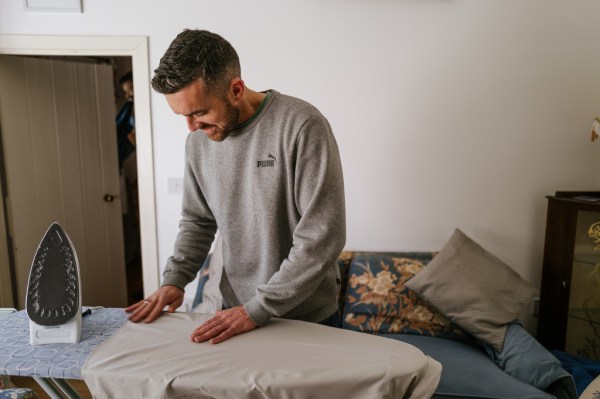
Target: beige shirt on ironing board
(283,359)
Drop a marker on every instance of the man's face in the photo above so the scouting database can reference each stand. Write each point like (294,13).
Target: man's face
(214,115)
(127,87)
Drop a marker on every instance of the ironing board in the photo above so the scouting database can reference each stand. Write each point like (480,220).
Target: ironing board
(283,359)
(51,365)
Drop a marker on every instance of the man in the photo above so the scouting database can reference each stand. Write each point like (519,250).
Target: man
(126,120)
(265,169)
(128,177)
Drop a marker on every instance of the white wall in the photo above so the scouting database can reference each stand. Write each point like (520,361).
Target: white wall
(448,113)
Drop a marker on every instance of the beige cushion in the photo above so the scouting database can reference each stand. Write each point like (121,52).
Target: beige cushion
(474,289)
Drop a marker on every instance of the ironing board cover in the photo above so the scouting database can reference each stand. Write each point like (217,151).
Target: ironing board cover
(283,359)
(18,357)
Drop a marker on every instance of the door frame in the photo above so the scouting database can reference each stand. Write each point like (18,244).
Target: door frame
(135,47)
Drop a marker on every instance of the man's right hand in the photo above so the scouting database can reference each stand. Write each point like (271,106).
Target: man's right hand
(150,308)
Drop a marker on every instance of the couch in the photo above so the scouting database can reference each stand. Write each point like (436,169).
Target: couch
(461,310)
(375,299)
(8,391)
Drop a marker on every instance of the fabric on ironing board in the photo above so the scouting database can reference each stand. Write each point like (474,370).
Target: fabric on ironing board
(283,359)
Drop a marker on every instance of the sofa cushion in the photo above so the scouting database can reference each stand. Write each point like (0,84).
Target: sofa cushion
(376,300)
(474,289)
(17,393)
(343,263)
(524,358)
(467,372)
(9,391)
(208,298)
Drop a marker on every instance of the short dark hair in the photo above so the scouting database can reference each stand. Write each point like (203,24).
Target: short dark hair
(197,54)
(126,78)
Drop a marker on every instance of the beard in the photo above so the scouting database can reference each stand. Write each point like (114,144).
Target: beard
(220,133)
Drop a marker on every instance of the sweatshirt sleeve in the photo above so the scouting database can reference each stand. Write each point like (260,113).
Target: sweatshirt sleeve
(197,229)
(320,234)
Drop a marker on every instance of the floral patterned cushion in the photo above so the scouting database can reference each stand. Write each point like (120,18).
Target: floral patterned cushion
(376,300)
(17,393)
(343,262)
(8,391)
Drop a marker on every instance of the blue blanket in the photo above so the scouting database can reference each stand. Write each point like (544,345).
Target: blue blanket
(583,370)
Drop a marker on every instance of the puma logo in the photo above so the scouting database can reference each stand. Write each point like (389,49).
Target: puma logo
(268,163)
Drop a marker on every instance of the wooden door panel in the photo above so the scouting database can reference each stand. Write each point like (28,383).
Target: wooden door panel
(19,164)
(107,133)
(60,154)
(69,143)
(90,166)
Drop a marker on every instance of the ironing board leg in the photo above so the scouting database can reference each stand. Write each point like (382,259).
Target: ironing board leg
(66,388)
(48,387)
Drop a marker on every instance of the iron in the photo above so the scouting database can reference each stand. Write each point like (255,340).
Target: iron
(54,291)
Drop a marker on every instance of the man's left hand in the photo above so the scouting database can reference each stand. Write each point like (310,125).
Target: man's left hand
(224,325)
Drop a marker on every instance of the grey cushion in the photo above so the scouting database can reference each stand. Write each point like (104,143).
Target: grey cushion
(467,372)
(474,289)
(524,358)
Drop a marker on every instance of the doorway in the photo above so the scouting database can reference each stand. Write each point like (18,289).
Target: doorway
(127,160)
(59,162)
(135,49)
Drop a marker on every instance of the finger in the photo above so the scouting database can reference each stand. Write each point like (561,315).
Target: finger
(223,331)
(209,334)
(208,329)
(134,307)
(142,309)
(224,325)
(156,309)
(139,314)
(208,324)
(175,305)
(234,328)
(225,335)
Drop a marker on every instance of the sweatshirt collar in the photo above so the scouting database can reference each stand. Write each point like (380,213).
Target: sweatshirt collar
(248,124)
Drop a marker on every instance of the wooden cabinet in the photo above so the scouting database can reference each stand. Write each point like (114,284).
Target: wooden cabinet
(569,317)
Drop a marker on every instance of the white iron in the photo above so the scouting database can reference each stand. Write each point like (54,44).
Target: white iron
(54,291)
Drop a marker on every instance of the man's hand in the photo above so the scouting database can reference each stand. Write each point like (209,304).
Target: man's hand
(224,325)
(149,309)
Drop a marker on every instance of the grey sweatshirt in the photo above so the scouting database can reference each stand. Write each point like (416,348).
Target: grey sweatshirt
(274,189)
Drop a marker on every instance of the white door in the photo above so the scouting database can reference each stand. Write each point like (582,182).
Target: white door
(59,138)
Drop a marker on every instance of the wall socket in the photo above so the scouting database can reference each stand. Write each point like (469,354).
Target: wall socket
(175,185)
